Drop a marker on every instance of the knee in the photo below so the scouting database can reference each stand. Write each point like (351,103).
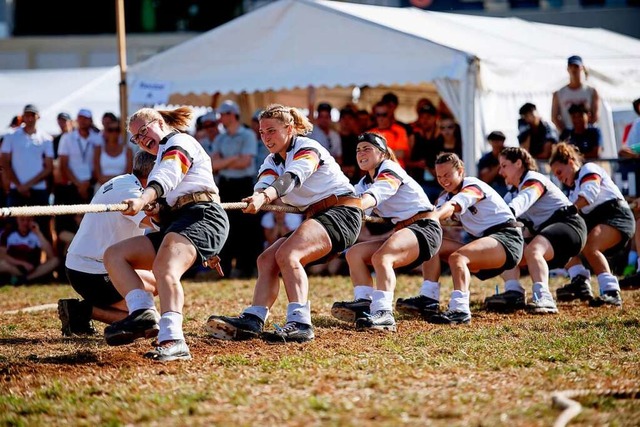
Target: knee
(380,259)
(110,257)
(457,259)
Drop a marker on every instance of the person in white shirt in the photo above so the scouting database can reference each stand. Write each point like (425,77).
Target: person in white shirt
(193,228)
(84,263)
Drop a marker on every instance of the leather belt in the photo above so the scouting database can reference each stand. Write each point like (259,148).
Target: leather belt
(331,201)
(197,197)
(407,222)
(512,223)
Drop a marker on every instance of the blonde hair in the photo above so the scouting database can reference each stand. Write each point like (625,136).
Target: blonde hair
(563,153)
(179,119)
(290,116)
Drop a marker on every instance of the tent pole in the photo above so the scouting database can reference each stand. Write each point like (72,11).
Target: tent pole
(122,58)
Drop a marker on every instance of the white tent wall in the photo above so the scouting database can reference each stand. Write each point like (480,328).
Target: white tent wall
(57,90)
(484,68)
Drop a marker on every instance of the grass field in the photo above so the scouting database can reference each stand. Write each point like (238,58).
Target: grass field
(498,371)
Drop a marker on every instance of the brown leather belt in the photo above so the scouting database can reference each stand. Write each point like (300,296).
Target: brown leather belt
(331,201)
(407,222)
(197,197)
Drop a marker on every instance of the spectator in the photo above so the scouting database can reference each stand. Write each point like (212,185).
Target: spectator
(583,135)
(234,161)
(450,138)
(489,164)
(349,128)
(26,245)
(27,156)
(393,133)
(112,158)
(366,121)
(324,133)
(422,161)
(390,99)
(209,131)
(535,135)
(263,151)
(575,93)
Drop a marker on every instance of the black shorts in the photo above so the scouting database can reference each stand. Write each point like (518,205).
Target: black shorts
(616,214)
(97,289)
(567,239)
(513,243)
(205,224)
(429,235)
(343,226)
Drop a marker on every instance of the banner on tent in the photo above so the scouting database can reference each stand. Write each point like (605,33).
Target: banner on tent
(150,92)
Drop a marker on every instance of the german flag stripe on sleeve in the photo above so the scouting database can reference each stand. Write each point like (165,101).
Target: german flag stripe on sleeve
(179,155)
(591,177)
(473,191)
(389,177)
(308,154)
(267,172)
(533,185)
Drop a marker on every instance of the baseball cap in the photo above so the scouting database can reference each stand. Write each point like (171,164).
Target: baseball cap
(30,108)
(574,60)
(375,139)
(428,109)
(84,112)
(210,117)
(64,116)
(496,135)
(229,106)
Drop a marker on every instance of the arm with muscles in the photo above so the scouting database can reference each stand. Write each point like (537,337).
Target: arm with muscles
(279,187)
(556,116)
(445,211)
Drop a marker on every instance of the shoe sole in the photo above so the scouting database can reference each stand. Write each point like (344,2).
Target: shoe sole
(222,330)
(503,308)
(600,303)
(274,338)
(125,337)
(183,356)
(539,310)
(346,315)
(439,321)
(378,328)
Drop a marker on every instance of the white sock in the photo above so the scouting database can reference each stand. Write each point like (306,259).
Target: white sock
(541,290)
(460,301)
(170,327)
(298,312)
(138,299)
(579,269)
(608,282)
(382,300)
(430,289)
(363,292)
(513,285)
(258,311)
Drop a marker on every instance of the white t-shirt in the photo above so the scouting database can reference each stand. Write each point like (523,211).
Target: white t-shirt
(27,154)
(98,231)
(80,152)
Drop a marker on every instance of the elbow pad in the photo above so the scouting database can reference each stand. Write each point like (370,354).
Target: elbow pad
(285,183)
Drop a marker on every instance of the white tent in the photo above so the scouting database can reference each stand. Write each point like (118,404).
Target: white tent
(483,68)
(59,90)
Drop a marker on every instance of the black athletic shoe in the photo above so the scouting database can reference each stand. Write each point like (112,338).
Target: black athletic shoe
(381,320)
(630,282)
(243,327)
(607,298)
(579,288)
(75,317)
(141,323)
(169,350)
(420,305)
(291,332)
(450,318)
(350,311)
(505,302)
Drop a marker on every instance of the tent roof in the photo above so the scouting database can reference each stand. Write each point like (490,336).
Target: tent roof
(295,43)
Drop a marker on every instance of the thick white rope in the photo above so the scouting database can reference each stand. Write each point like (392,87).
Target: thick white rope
(118,207)
(571,408)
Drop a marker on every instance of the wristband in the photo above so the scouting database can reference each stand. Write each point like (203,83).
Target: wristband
(267,199)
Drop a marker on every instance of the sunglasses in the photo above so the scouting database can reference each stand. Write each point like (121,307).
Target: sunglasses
(447,127)
(141,132)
